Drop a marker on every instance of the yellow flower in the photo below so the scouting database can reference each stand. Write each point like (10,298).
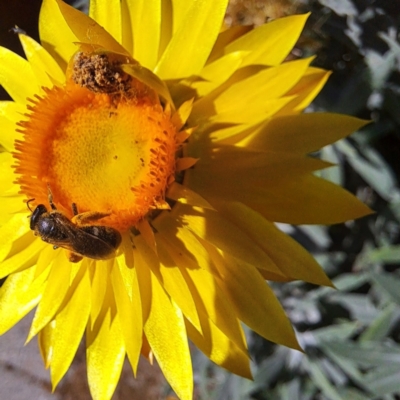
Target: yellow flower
(155,155)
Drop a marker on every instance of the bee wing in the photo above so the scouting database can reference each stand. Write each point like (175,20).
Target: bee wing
(92,245)
(86,240)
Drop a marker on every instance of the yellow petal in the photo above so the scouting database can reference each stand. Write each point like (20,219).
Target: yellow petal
(12,69)
(46,257)
(193,260)
(180,9)
(257,167)
(127,32)
(294,261)
(219,349)
(7,177)
(55,35)
(166,333)
(145,20)
(107,13)
(147,233)
(303,133)
(205,109)
(184,195)
(150,79)
(269,44)
(13,111)
(8,133)
(144,279)
(268,84)
(305,91)
(218,72)
(170,277)
(99,277)
(180,117)
(257,113)
(125,261)
(16,227)
(130,315)
(297,197)
(254,301)
(225,37)
(105,351)
(214,228)
(304,200)
(87,30)
(185,163)
(10,114)
(54,293)
(189,47)
(230,134)
(70,324)
(11,202)
(23,259)
(45,342)
(18,296)
(257,91)
(43,64)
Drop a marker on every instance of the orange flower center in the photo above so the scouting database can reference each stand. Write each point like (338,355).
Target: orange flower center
(106,152)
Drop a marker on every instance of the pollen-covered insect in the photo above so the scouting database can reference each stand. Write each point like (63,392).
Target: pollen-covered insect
(75,235)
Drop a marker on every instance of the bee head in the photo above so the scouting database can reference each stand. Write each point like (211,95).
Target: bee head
(36,215)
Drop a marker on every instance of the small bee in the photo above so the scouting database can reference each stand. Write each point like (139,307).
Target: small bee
(75,235)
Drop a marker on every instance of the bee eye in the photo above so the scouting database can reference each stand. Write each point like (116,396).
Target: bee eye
(36,215)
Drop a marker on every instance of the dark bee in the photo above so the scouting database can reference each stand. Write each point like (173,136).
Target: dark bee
(75,235)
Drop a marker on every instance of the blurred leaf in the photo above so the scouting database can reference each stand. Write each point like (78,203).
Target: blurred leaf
(294,390)
(349,366)
(380,66)
(354,94)
(379,328)
(384,380)
(395,208)
(391,105)
(388,255)
(368,354)
(270,368)
(317,234)
(234,388)
(341,7)
(333,174)
(372,168)
(393,44)
(359,305)
(347,282)
(390,283)
(333,372)
(321,380)
(335,332)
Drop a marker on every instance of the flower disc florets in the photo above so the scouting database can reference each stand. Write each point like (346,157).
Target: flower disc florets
(103,142)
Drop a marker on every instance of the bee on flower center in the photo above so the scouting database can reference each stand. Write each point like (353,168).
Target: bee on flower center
(76,235)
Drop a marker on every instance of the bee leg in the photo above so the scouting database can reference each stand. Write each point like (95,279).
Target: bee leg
(50,197)
(74,209)
(73,257)
(87,217)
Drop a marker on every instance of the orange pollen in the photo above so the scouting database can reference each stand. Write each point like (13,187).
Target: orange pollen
(104,152)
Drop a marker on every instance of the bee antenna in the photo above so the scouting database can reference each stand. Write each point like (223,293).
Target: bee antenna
(27,203)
